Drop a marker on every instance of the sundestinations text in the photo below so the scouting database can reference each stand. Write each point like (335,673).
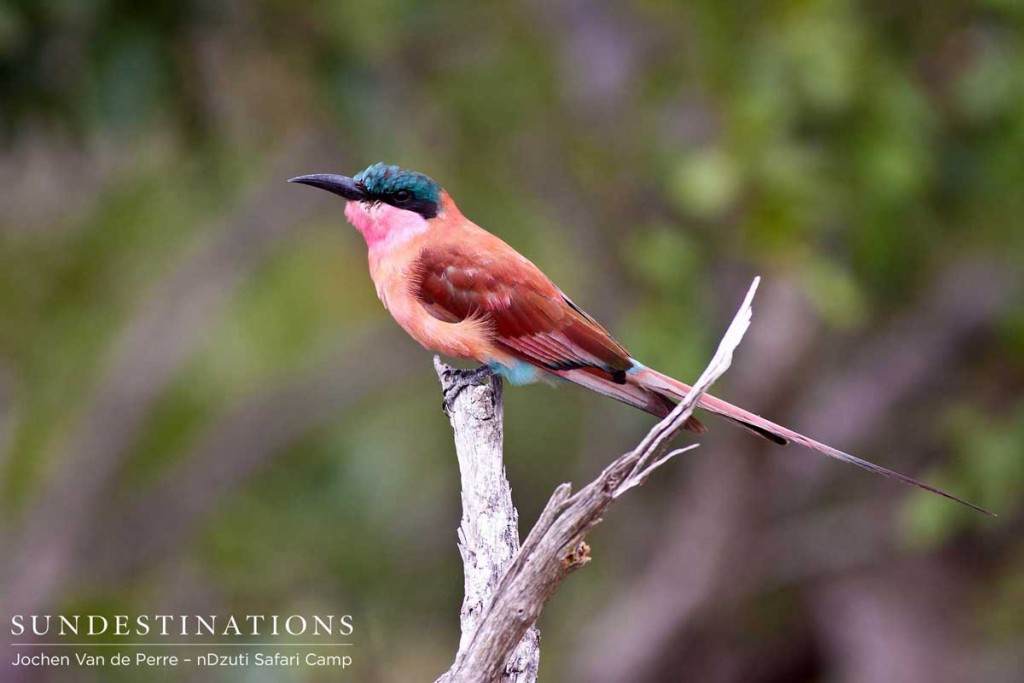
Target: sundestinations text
(181,625)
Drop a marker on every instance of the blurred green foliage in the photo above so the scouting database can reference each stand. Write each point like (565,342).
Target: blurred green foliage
(648,155)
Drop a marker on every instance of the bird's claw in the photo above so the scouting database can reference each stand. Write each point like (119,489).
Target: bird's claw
(463,379)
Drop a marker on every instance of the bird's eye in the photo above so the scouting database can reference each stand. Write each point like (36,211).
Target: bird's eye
(402,196)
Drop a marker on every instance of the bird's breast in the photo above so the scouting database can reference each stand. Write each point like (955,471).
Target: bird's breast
(395,278)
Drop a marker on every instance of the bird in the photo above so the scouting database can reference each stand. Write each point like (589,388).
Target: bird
(461,291)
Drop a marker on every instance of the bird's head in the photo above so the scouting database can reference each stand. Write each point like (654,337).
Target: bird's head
(385,203)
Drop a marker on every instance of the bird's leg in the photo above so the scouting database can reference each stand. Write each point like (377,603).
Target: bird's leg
(462,380)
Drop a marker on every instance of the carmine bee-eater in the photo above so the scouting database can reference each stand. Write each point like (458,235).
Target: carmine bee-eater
(459,290)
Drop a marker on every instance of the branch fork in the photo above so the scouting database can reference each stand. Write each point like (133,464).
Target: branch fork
(506,585)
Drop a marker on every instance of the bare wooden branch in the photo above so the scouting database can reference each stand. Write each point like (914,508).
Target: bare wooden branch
(555,547)
(489,531)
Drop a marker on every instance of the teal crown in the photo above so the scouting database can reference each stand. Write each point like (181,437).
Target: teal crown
(382,181)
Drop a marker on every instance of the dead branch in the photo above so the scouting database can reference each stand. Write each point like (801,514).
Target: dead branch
(489,531)
(555,547)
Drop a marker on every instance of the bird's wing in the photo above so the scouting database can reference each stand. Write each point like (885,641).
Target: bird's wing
(529,316)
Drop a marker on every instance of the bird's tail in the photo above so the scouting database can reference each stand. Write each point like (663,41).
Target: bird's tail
(653,401)
(656,383)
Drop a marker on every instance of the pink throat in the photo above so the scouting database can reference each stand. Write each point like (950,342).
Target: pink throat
(384,225)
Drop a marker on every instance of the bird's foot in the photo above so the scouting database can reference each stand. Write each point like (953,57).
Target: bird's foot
(462,380)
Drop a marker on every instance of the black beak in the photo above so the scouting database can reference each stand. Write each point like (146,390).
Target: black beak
(338,184)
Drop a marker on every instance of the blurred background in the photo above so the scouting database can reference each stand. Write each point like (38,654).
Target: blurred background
(204,408)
